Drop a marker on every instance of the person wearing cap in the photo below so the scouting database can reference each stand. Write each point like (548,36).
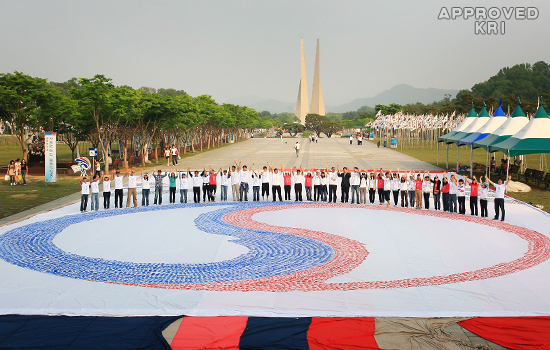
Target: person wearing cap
(500,188)
(132,184)
(158,186)
(427,189)
(106,191)
(119,186)
(145,189)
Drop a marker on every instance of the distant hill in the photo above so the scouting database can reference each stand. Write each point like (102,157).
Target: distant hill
(400,94)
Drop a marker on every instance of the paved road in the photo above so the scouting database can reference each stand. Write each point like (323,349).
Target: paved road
(331,151)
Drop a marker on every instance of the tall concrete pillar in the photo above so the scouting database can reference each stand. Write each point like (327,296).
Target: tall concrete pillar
(317,103)
(302,104)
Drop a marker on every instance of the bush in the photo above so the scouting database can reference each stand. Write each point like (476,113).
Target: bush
(307,133)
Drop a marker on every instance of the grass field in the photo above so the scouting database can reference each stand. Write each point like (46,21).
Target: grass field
(15,199)
(538,195)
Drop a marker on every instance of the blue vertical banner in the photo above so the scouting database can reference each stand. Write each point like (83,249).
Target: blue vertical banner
(50,161)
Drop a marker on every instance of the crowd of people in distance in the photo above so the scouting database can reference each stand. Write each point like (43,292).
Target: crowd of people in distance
(405,188)
(17,172)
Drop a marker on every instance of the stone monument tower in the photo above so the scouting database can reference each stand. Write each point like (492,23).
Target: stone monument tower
(302,104)
(317,103)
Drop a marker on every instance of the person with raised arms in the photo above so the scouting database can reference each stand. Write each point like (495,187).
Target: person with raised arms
(265,176)
(332,184)
(225,180)
(355,181)
(474,194)
(197,182)
(345,184)
(119,186)
(372,188)
(172,194)
(132,188)
(235,183)
(483,191)
(308,184)
(411,185)
(256,181)
(158,186)
(298,183)
(145,189)
(427,189)
(500,189)
(244,174)
(276,182)
(453,186)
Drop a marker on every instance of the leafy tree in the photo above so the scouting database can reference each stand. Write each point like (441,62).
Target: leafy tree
(21,98)
(328,128)
(313,122)
(294,128)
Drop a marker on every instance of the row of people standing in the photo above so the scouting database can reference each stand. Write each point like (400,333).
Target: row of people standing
(320,185)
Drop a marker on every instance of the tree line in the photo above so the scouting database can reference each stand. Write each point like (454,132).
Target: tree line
(95,110)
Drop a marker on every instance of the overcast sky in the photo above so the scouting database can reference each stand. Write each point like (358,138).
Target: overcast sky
(236,48)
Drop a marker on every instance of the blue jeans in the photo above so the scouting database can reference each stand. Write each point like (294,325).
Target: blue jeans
(256,193)
(145,196)
(223,193)
(83,202)
(243,191)
(94,203)
(452,203)
(158,195)
(183,195)
(308,193)
(354,193)
(412,199)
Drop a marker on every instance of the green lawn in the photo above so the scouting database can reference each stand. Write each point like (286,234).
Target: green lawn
(428,153)
(15,199)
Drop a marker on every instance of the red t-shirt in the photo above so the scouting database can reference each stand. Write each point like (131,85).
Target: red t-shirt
(418,184)
(309,181)
(380,182)
(288,180)
(445,188)
(474,190)
(213,179)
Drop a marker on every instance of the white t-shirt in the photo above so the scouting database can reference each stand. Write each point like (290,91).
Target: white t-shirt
(483,192)
(132,181)
(85,187)
(355,179)
(107,186)
(499,190)
(174,151)
(235,178)
(206,179)
(333,178)
(404,185)
(316,180)
(145,184)
(395,184)
(452,188)
(387,183)
(364,181)
(119,182)
(299,179)
(197,180)
(276,179)
(461,191)
(412,185)
(95,186)
(243,175)
(324,180)
(426,186)
(265,177)
(224,179)
(256,179)
(184,183)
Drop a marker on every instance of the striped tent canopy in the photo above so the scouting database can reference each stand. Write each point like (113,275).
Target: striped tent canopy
(512,125)
(472,115)
(477,124)
(494,123)
(534,138)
